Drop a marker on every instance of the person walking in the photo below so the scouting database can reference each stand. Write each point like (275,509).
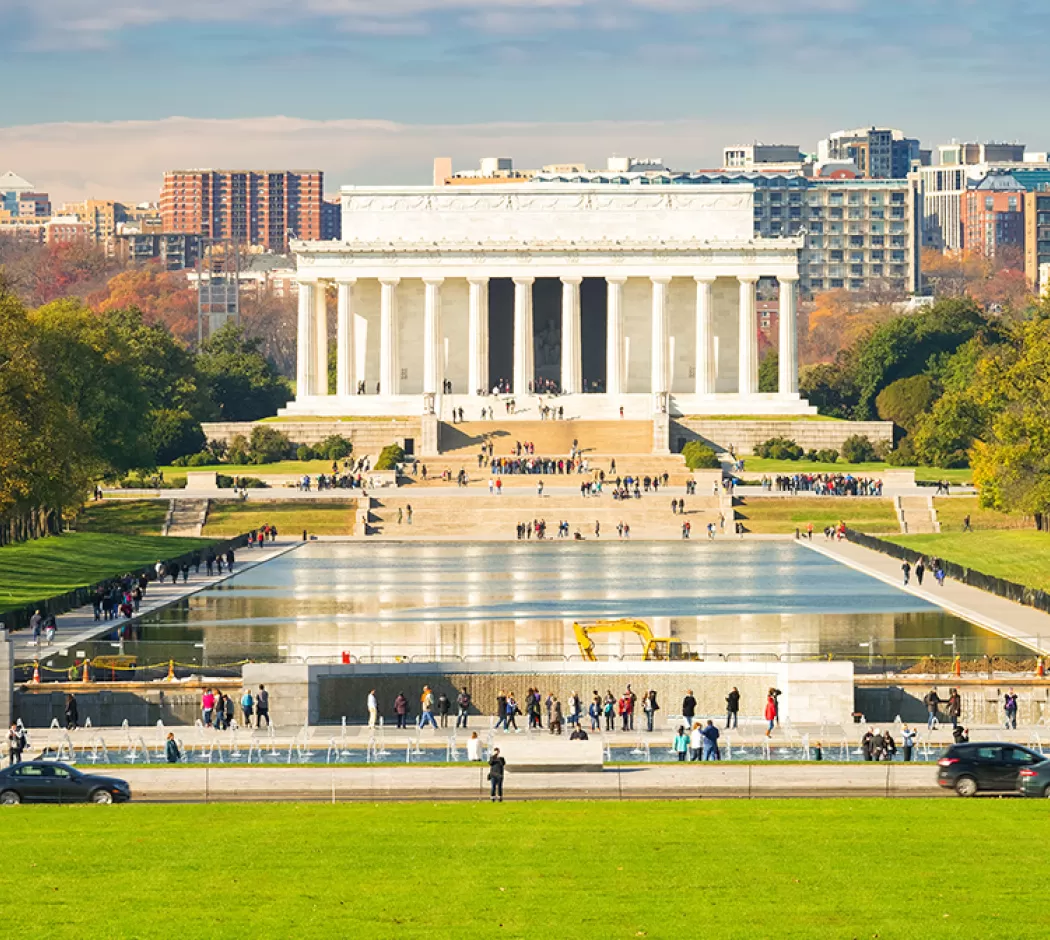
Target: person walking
(247,707)
(732,708)
(1010,709)
(906,571)
(401,710)
(770,713)
(373,708)
(171,749)
(72,713)
(462,708)
(426,709)
(512,712)
(262,707)
(932,701)
(920,570)
(907,742)
(681,743)
(710,735)
(497,767)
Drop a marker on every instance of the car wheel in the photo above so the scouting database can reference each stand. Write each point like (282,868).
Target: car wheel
(1046,792)
(101,796)
(10,798)
(966,786)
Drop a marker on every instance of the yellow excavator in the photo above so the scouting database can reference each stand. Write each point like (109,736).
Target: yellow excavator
(653,648)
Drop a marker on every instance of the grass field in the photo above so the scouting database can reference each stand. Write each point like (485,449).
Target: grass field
(922,474)
(1021,555)
(952,510)
(766,514)
(281,467)
(131,517)
(291,517)
(31,571)
(719,868)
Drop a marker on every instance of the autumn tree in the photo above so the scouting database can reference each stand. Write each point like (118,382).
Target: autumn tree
(164,297)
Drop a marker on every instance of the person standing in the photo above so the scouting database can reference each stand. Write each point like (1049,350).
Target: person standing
(497,766)
(696,742)
(650,707)
(171,749)
(770,713)
(609,707)
(681,743)
(732,708)
(401,710)
(954,706)
(247,707)
(16,744)
(207,707)
(710,734)
(688,708)
(444,706)
(463,708)
(1010,709)
(474,747)
(631,699)
(262,707)
(907,741)
(72,713)
(932,702)
(373,708)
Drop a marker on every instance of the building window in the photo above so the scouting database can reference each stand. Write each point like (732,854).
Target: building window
(989,203)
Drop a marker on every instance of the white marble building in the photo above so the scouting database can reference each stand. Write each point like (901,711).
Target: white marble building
(640,298)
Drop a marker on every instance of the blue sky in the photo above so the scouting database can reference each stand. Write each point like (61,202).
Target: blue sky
(550,79)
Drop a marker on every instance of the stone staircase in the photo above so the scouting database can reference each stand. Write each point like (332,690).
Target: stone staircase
(485,517)
(916,515)
(186,518)
(549,437)
(631,465)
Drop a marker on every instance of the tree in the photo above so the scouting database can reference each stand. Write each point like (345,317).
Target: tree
(164,297)
(953,273)
(829,387)
(240,381)
(903,402)
(273,321)
(769,372)
(835,320)
(699,456)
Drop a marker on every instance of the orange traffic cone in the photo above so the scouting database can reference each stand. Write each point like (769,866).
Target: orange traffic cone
(171,670)
(87,672)
(36,673)
(1040,667)
(958,666)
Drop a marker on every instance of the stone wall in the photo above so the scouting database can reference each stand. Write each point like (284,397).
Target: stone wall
(7,661)
(744,435)
(881,701)
(368,437)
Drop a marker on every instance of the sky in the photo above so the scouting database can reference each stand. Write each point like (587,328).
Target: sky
(101,96)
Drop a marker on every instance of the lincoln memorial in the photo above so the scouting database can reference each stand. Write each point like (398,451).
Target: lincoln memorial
(610,297)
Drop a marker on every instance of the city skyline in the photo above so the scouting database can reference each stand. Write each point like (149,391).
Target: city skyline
(373,97)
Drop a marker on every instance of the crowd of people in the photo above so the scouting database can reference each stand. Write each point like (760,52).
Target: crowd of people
(823,484)
(932,564)
(352,475)
(219,710)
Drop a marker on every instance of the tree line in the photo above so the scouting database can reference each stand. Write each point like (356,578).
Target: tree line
(87,396)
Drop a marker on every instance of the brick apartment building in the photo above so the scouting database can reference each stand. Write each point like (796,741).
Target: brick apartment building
(251,207)
(993,215)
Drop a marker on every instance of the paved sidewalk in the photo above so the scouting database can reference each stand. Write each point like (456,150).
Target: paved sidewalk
(79,625)
(1024,625)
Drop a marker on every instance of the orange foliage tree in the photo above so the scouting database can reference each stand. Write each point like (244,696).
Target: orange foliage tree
(835,320)
(164,297)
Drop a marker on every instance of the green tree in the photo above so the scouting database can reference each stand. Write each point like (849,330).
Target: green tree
(268,445)
(829,386)
(903,402)
(769,372)
(241,383)
(699,456)
(174,433)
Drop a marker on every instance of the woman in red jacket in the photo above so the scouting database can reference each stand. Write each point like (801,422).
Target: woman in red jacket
(771,713)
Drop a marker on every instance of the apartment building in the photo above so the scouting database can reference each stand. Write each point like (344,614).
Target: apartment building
(1037,237)
(250,207)
(993,215)
(877,152)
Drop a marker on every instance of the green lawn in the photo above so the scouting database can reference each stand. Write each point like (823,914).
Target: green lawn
(922,474)
(952,510)
(1021,555)
(282,467)
(129,517)
(719,868)
(327,419)
(32,571)
(290,517)
(769,514)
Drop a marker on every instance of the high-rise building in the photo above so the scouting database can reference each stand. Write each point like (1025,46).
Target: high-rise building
(1037,237)
(993,215)
(762,157)
(877,152)
(249,207)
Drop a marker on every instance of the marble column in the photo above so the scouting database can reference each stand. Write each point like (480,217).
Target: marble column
(748,367)
(433,354)
(389,370)
(659,340)
(787,355)
(478,336)
(705,336)
(524,354)
(345,358)
(305,342)
(614,336)
(321,339)
(571,349)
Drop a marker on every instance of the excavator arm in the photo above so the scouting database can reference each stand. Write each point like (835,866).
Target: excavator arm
(584,631)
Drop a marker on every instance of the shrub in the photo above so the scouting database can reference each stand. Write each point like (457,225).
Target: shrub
(903,456)
(334,447)
(203,459)
(390,457)
(827,455)
(179,462)
(699,456)
(779,448)
(268,445)
(857,448)
(237,452)
(304,452)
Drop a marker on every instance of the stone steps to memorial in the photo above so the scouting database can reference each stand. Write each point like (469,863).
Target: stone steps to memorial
(533,503)
(549,437)
(917,515)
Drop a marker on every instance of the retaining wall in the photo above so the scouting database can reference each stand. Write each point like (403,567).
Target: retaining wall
(368,437)
(742,436)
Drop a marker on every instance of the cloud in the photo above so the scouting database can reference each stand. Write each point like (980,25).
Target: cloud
(125,160)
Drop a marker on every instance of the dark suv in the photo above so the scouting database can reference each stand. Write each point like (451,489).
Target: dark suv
(984,766)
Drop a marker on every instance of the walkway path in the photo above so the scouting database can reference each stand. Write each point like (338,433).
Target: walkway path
(1024,625)
(80,625)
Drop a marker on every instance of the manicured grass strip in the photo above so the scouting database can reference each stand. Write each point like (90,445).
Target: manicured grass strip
(951,511)
(290,517)
(770,868)
(282,467)
(130,517)
(1020,555)
(31,571)
(874,470)
(326,419)
(768,514)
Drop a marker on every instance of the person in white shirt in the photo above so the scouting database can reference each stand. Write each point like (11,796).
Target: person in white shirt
(373,709)
(474,747)
(696,742)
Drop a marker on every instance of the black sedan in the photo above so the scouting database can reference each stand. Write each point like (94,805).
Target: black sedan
(985,767)
(1035,780)
(40,781)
